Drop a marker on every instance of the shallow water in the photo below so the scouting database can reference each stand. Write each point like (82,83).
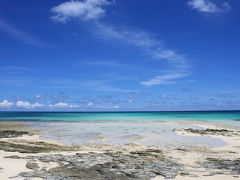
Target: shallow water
(145,128)
(120,133)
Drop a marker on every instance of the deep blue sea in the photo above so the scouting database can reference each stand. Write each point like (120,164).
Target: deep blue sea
(226,116)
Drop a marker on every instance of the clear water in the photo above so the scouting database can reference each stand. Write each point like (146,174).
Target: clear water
(120,133)
(227,116)
(123,127)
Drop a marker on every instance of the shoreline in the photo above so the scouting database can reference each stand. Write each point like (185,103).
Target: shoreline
(177,163)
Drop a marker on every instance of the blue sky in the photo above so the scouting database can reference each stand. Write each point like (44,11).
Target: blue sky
(100,55)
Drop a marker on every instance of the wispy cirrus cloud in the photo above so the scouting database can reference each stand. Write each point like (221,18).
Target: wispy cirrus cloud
(142,39)
(138,38)
(18,34)
(97,84)
(104,63)
(14,69)
(85,10)
(169,78)
(206,6)
(109,64)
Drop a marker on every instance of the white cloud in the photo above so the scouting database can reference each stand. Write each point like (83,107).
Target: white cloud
(138,38)
(164,79)
(6,104)
(86,10)
(206,6)
(63,105)
(142,39)
(93,9)
(28,105)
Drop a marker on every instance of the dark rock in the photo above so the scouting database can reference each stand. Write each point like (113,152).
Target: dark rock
(33,166)
(32,147)
(142,165)
(222,132)
(232,166)
(13,157)
(12,133)
(31,174)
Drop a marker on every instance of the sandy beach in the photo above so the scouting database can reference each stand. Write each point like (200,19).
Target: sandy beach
(27,153)
(119,90)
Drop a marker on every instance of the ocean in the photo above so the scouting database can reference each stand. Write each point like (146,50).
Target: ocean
(212,116)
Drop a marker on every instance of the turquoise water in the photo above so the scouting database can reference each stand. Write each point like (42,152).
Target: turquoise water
(226,116)
(121,128)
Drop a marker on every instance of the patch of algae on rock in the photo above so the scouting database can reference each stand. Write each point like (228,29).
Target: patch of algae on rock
(33,147)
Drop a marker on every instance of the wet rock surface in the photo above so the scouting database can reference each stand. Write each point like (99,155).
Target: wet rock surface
(224,165)
(140,165)
(12,133)
(222,132)
(13,157)
(32,147)
(33,166)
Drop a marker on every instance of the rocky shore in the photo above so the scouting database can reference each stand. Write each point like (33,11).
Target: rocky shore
(52,161)
(108,165)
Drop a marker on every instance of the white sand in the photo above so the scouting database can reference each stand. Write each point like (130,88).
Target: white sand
(11,167)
